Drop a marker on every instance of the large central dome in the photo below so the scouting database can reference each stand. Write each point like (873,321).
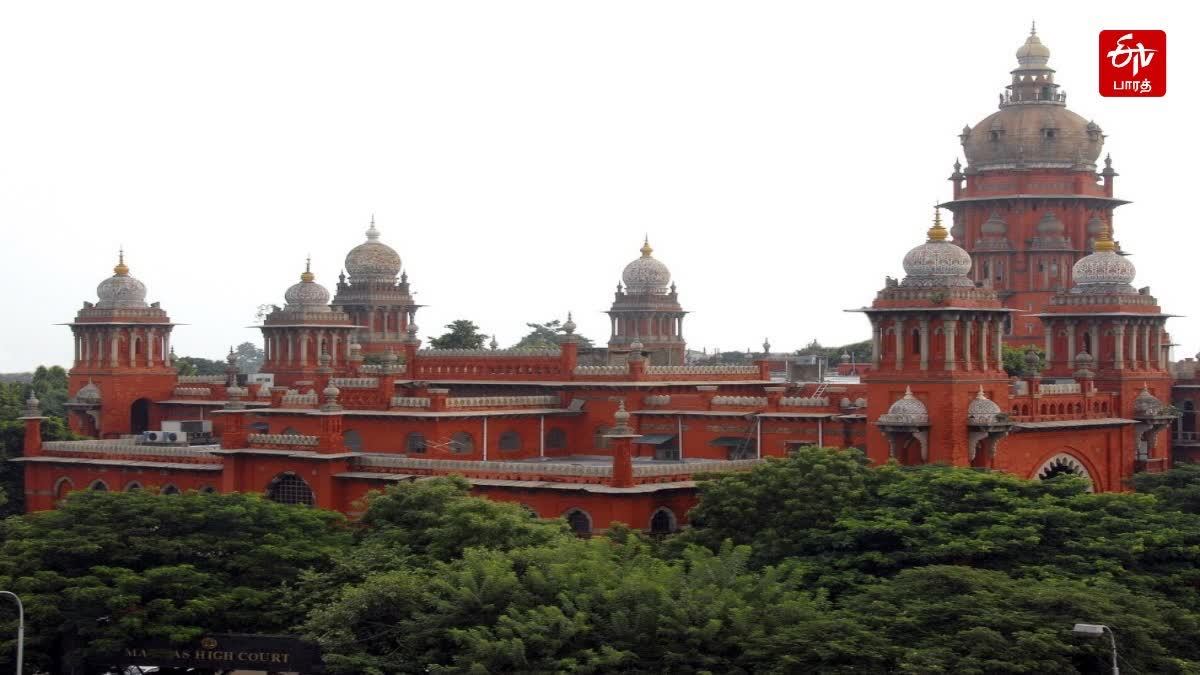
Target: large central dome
(1033,128)
(373,260)
(646,274)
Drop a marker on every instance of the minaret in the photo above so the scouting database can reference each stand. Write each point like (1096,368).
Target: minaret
(306,337)
(646,309)
(1026,205)
(936,341)
(122,363)
(375,299)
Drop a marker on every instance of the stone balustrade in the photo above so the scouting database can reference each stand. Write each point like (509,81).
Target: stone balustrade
(1070,388)
(678,468)
(601,370)
(293,397)
(410,402)
(283,439)
(192,391)
(500,401)
(201,379)
(702,370)
(354,382)
(548,468)
(741,401)
(808,402)
(126,446)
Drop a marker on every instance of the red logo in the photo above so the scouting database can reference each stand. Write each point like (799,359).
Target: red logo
(1133,63)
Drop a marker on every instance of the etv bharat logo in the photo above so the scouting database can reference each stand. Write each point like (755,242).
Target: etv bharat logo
(1133,63)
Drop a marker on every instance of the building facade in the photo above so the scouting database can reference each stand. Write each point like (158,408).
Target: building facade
(1032,262)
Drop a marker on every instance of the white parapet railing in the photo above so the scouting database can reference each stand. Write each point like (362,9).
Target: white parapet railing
(551,352)
(601,370)
(806,401)
(658,399)
(201,379)
(293,397)
(192,391)
(283,439)
(354,382)
(702,370)
(126,446)
(453,465)
(500,401)
(743,401)
(410,402)
(676,468)
(1070,388)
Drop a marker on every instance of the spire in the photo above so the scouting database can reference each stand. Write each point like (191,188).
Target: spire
(308,276)
(121,269)
(1032,31)
(646,250)
(1104,242)
(937,232)
(372,233)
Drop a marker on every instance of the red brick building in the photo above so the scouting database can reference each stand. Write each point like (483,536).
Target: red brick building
(1032,261)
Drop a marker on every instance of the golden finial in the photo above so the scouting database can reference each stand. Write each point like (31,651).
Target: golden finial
(121,269)
(1104,242)
(308,275)
(646,250)
(937,232)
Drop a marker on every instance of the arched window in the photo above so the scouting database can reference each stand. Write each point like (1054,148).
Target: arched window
(208,490)
(288,488)
(98,486)
(353,440)
(510,441)
(290,431)
(530,511)
(580,522)
(663,522)
(415,443)
(600,440)
(170,489)
(133,486)
(462,443)
(556,439)
(62,487)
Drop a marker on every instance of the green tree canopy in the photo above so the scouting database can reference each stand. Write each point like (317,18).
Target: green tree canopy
(546,335)
(1013,359)
(460,334)
(106,568)
(195,365)
(250,357)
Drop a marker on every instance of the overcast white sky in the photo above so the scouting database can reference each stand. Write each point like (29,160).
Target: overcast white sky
(782,155)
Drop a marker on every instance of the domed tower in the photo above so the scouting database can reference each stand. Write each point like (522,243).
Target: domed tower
(646,310)
(306,336)
(374,298)
(122,359)
(1118,332)
(936,340)
(1023,204)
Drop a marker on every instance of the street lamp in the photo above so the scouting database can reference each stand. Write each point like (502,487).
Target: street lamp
(1097,629)
(20,629)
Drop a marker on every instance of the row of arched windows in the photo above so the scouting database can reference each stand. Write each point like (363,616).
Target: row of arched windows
(662,522)
(461,443)
(64,485)
(1060,408)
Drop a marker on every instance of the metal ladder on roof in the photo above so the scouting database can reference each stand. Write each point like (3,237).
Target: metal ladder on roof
(820,390)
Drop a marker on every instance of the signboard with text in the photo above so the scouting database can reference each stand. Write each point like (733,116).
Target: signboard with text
(248,652)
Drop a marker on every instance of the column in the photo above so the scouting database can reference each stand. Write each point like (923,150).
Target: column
(333,350)
(77,349)
(132,333)
(303,348)
(998,345)
(924,333)
(1145,347)
(983,340)
(151,343)
(1156,342)
(166,350)
(291,348)
(1119,345)
(1094,340)
(899,327)
(950,328)
(966,348)
(1133,345)
(613,321)
(114,344)
(1071,344)
(1049,349)
(876,342)
(85,342)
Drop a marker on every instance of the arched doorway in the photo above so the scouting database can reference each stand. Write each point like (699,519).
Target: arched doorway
(663,522)
(288,488)
(139,416)
(1063,464)
(580,522)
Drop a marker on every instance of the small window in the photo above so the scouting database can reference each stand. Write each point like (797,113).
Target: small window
(99,486)
(415,443)
(169,489)
(510,441)
(580,523)
(556,439)
(462,443)
(133,486)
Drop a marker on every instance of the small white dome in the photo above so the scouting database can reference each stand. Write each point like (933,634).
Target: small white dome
(937,263)
(1147,405)
(994,226)
(1103,271)
(308,293)
(907,410)
(646,274)
(121,291)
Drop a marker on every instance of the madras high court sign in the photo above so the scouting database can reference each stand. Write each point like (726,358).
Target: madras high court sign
(229,651)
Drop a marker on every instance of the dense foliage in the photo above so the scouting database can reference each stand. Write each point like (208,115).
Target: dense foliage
(546,335)
(814,563)
(460,334)
(50,387)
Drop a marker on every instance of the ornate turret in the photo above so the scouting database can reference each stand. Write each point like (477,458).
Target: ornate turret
(306,336)
(380,305)
(646,309)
